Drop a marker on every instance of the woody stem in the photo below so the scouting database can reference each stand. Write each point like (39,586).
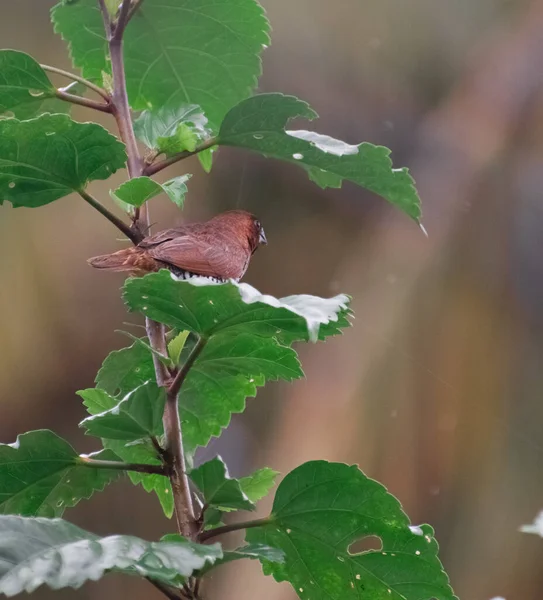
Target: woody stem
(174,454)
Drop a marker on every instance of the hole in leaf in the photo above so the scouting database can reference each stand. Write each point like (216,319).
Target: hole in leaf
(370,542)
(11,184)
(36,93)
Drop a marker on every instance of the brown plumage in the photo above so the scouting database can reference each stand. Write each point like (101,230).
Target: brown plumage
(220,248)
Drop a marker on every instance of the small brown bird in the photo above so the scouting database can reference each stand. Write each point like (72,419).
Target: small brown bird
(220,248)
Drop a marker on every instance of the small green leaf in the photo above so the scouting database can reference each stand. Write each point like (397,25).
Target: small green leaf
(112,7)
(138,415)
(25,89)
(40,476)
(259,484)
(320,510)
(164,124)
(52,156)
(252,551)
(123,371)
(206,158)
(175,346)
(137,191)
(218,488)
(258,124)
(184,139)
(176,189)
(34,552)
(223,40)
(235,308)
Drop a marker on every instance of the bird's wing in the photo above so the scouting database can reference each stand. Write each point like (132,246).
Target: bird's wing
(170,234)
(204,255)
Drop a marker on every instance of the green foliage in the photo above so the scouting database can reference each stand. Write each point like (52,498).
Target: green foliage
(258,124)
(52,156)
(259,484)
(137,191)
(40,475)
(191,66)
(54,552)
(25,89)
(319,510)
(218,489)
(223,39)
(173,128)
(138,415)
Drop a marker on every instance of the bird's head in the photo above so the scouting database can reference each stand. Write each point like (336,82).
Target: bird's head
(246,226)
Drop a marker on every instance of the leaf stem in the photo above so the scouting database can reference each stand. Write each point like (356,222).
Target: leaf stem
(95,88)
(211,533)
(122,20)
(156,167)
(121,466)
(131,235)
(184,509)
(87,102)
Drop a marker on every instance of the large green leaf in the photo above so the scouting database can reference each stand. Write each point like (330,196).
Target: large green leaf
(34,552)
(52,156)
(258,124)
(218,489)
(116,366)
(258,484)
(320,510)
(173,128)
(203,52)
(208,309)
(40,475)
(25,89)
(137,415)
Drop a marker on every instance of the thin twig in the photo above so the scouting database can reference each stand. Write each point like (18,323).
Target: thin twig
(211,533)
(106,17)
(121,226)
(168,591)
(87,102)
(183,371)
(122,20)
(121,466)
(95,88)
(156,167)
(134,8)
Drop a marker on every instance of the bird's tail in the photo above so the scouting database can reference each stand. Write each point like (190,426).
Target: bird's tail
(134,259)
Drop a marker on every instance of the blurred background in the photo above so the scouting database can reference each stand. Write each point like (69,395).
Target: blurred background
(437,389)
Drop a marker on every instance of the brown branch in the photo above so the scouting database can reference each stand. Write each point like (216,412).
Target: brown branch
(173,455)
(120,225)
(95,88)
(121,466)
(211,533)
(87,102)
(156,167)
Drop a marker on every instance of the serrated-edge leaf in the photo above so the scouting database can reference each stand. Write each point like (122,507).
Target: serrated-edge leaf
(258,485)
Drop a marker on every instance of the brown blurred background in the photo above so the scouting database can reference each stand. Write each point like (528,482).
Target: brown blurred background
(437,389)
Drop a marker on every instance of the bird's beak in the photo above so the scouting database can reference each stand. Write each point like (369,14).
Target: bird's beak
(262,238)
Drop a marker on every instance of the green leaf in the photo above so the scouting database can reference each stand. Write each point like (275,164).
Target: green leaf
(52,156)
(34,552)
(258,124)
(25,89)
(137,191)
(176,51)
(218,488)
(207,309)
(206,158)
(259,484)
(252,551)
(112,6)
(138,415)
(129,361)
(176,345)
(320,510)
(183,139)
(81,26)
(40,476)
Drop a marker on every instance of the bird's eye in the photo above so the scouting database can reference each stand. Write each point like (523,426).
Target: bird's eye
(257,224)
